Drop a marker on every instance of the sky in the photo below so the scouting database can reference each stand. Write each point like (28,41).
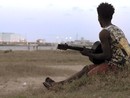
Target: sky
(59,20)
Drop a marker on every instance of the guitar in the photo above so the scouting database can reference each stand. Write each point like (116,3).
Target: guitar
(96,48)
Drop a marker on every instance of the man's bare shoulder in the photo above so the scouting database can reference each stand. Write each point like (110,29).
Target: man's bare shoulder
(104,34)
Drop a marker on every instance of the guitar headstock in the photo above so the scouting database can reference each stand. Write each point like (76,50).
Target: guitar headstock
(62,46)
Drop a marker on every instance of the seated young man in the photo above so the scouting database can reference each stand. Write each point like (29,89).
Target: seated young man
(116,50)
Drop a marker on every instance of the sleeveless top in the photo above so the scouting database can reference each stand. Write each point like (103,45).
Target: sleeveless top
(119,46)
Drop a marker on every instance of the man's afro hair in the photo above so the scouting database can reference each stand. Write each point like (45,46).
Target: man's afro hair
(105,11)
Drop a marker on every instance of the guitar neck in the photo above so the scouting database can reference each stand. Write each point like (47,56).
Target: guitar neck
(76,48)
(96,48)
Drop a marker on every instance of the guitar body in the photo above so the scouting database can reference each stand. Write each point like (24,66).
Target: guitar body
(96,48)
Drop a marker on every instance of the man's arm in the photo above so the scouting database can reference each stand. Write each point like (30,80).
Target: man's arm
(106,54)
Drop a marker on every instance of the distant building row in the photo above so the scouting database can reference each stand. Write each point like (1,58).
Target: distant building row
(81,42)
(11,37)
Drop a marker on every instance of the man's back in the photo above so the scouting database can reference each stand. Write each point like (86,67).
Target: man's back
(119,46)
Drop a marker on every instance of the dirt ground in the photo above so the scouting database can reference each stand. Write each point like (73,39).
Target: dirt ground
(10,86)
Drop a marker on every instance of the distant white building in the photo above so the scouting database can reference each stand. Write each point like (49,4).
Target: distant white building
(40,41)
(11,37)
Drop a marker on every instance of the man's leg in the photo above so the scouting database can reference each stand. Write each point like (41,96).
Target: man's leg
(78,75)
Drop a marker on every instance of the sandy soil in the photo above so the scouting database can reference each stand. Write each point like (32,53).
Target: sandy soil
(9,86)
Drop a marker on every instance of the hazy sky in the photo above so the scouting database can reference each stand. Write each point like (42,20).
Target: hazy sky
(59,20)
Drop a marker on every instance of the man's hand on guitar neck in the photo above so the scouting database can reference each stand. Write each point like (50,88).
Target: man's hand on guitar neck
(86,51)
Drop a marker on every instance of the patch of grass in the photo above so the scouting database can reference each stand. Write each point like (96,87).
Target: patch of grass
(27,70)
(99,86)
(34,63)
(44,57)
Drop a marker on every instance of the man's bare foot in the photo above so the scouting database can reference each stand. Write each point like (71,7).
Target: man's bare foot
(48,83)
(49,80)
